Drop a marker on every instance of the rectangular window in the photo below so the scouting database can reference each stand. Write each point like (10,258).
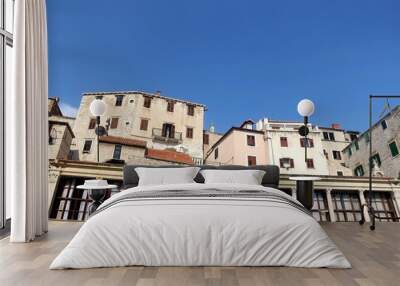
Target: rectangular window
(147,101)
(384,124)
(350,151)
(206,139)
(346,205)
(286,163)
(87,146)
(251,160)
(251,140)
(189,132)
(144,123)
(92,123)
(114,122)
(383,204)
(117,152)
(190,110)
(359,171)
(216,154)
(376,159)
(353,137)
(284,142)
(337,155)
(393,149)
(310,142)
(340,173)
(329,136)
(356,145)
(168,130)
(118,100)
(320,208)
(310,163)
(70,203)
(170,106)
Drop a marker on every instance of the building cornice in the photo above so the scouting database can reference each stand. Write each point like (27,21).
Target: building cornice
(157,95)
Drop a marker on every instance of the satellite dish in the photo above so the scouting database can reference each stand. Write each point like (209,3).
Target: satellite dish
(100,131)
(303,131)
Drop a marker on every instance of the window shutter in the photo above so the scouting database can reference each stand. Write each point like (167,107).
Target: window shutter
(144,124)
(170,106)
(164,130)
(284,142)
(189,132)
(147,102)
(114,122)
(190,110)
(92,123)
(251,160)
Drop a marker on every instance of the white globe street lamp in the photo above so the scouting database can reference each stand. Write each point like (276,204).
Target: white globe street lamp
(305,108)
(97,108)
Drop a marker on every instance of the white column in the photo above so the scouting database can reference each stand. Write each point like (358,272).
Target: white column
(294,194)
(363,202)
(330,205)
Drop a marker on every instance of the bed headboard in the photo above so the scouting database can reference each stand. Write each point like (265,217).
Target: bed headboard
(270,179)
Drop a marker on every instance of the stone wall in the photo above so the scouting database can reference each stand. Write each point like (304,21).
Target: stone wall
(130,114)
(380,143)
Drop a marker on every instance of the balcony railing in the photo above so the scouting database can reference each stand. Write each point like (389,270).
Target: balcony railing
(175,137)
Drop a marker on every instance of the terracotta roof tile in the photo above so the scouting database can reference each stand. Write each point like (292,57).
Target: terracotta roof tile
(123,141)
(169,155)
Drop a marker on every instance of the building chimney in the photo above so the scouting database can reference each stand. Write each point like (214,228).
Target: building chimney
(336,126)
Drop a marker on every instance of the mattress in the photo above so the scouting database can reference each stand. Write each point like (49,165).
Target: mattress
(201,225)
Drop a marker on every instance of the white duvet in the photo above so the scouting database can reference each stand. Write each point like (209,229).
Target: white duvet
(203,231)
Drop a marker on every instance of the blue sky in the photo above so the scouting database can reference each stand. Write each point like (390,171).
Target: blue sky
(243,59)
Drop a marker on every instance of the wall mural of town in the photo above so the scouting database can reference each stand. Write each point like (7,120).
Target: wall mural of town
(145,128)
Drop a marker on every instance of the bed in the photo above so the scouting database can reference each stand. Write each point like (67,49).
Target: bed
(201,224)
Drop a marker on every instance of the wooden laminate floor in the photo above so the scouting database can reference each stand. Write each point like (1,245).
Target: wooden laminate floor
(375,257)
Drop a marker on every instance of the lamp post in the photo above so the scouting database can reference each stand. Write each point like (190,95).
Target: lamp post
(305,108)
(97,108)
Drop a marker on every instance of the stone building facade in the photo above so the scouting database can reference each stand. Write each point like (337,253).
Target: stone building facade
(210,137)
(238,146)
(385,147)
(285,147)
(60,131)
(334,140)
(278,143)
(163,123)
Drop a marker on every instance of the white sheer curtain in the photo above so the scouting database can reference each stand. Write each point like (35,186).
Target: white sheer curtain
(26,123)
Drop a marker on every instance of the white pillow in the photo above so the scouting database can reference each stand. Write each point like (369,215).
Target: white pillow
(248,177)
(166,176)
